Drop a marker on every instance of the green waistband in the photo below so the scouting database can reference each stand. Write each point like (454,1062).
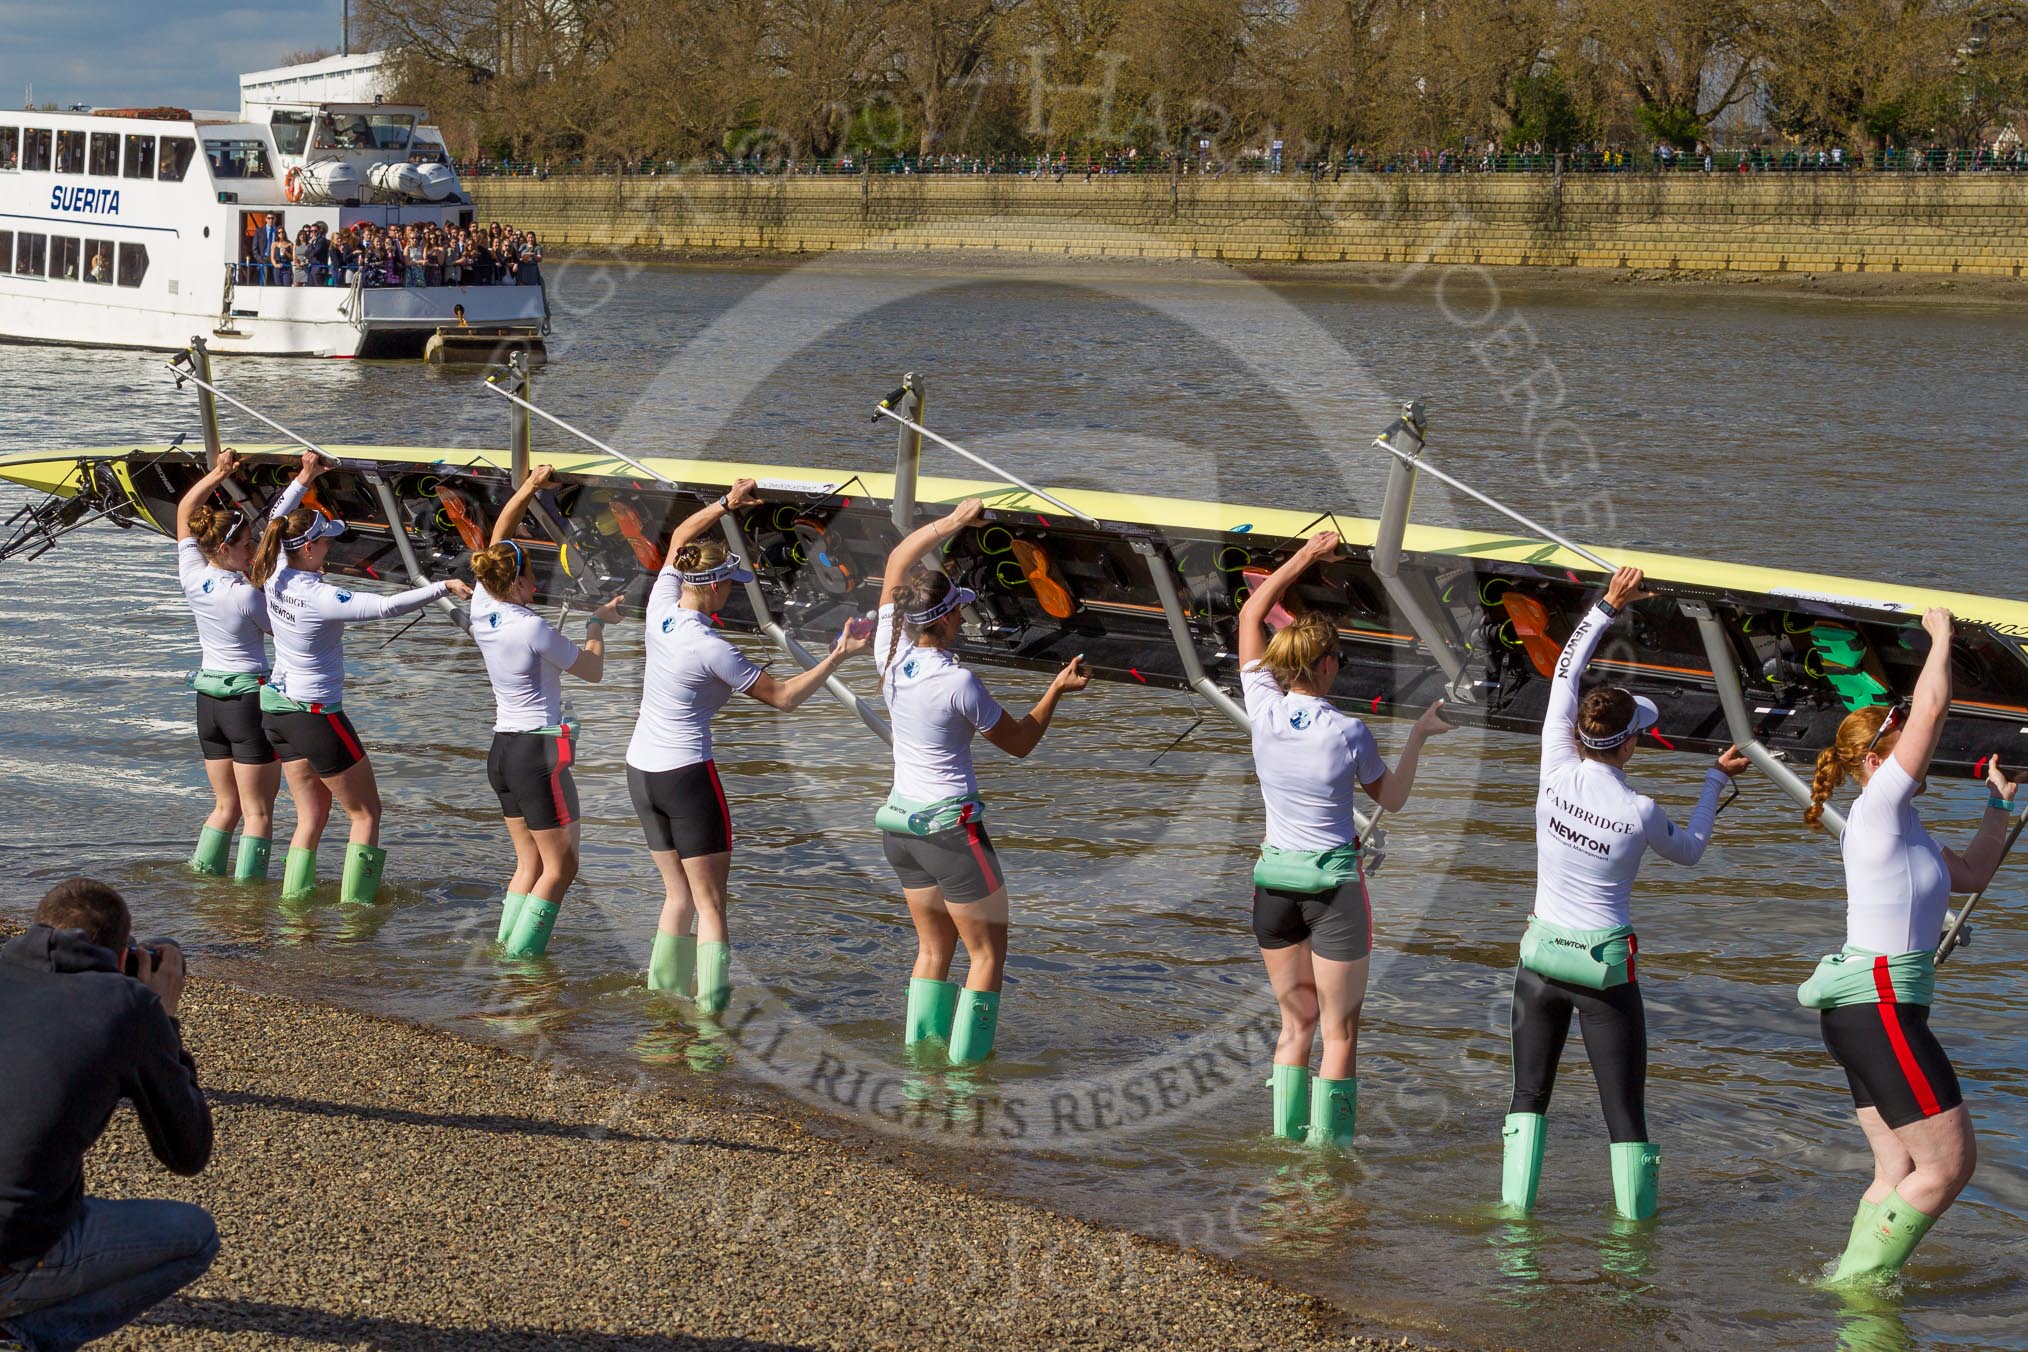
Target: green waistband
(1595,958)
(909,818)
(274,701)
(1306,870)
(224,684)
(1852,976)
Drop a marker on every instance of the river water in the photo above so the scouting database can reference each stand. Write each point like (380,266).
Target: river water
(1876,438)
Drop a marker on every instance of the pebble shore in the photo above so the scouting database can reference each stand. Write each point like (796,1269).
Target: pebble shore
(380,1185)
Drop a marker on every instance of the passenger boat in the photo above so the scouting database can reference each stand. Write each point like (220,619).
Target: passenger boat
(1148,588)
(139,227)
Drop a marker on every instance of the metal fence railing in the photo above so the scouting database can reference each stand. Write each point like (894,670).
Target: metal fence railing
(1748,161)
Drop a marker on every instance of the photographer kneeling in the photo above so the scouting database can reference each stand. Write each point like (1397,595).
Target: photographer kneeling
(90,1019)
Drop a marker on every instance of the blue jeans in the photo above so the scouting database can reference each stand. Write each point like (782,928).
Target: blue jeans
(119,1259)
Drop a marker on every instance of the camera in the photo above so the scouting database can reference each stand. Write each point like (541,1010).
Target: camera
(131,964)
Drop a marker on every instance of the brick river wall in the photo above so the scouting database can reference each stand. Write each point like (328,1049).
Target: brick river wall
(1919,223)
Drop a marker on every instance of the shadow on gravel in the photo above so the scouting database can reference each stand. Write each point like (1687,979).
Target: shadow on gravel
(494,1123)
(372,1331)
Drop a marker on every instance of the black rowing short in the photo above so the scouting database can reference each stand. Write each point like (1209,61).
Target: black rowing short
(530,771)
(1892,1061)
(682,809)
(230,729)
(326,740)
(959,861)
(1337,925)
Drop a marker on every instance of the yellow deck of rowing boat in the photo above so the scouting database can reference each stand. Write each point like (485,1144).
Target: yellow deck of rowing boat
(58,474)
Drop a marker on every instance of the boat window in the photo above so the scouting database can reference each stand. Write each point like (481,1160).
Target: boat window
(238,159)
(177,153)
(6,249)
(133,264)
(31,251)
(35,143)
(98,256)
(106,153)
(140,157)
(65,264)
(291,131)
(10,147)
(364,131)
(70,152)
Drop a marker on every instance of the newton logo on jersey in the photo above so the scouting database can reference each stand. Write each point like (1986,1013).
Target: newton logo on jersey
(908,668)
(344,596)
(207,586)
(1301,719)
(668,624)
(493,620)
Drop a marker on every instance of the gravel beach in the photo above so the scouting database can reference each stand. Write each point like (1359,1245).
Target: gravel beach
(380,1185)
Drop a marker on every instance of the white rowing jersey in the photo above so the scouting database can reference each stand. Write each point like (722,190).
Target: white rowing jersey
(231,612)
(1308,757)
(936,706)
(1896,879)
(1591,828)
(309,615)
(692,671)
(525,659)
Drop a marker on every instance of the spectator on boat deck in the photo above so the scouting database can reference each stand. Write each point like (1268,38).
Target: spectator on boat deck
(318,255)
(530,258)
(454,260)
(300,258)
(433,259)
(418,255)
(279,260)
(101,270)
(91,1020)
(481,264)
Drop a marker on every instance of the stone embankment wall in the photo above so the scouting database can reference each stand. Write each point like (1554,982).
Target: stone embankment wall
(1855,222)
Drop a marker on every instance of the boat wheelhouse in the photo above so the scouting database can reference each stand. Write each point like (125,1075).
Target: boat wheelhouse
(139,227)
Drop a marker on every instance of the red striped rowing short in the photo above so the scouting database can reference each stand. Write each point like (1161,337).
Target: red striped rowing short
(1892,1060)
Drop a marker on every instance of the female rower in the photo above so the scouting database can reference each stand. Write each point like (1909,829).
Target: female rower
(1875,994)
(213,546)
(533,745)
(300,705)
(1311,913)
(1592,831)
(691,673)
(930,825)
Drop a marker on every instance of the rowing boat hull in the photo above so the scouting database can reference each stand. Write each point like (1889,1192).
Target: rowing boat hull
(1809,648)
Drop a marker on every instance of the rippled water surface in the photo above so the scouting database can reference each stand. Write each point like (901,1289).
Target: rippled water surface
(1875,439)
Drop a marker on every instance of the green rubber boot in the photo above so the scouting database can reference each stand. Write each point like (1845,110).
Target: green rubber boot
(673,963)
(1637,1170)
(972,1026)
(214,847)
(363,864)
(1334,1112)
(1522,1136)
(252,864)
(714,978)
(1880,1248)
(532,929)
(1861,1219)
(510,911)
(299,874)
(1291,1086)
(932,1007)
